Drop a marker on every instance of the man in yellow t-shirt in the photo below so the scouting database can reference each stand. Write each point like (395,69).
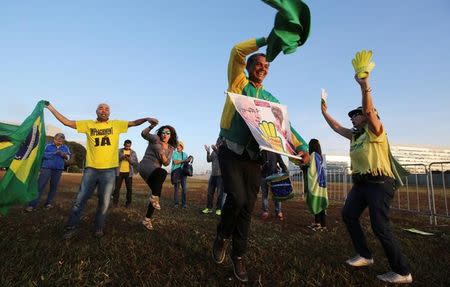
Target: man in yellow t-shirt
(102,140)
(373,186)
(127,161)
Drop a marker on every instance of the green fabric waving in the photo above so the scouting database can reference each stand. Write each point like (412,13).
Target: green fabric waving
(21,150)
(398,170)
(291,27)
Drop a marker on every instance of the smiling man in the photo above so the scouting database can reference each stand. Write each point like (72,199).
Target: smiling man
(239,154)
(102,140)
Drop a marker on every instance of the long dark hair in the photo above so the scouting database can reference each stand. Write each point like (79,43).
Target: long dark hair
(314,146)
(173,140)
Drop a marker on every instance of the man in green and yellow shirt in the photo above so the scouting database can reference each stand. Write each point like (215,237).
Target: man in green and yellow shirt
(239,154)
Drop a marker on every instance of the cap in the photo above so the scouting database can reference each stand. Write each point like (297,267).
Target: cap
(357,111)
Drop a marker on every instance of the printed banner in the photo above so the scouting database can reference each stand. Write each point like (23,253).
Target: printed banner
(268,123)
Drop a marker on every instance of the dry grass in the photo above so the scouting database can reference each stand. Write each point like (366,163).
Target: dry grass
(177,252)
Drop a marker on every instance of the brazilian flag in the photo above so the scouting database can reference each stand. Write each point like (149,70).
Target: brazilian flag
(21,150)
(316,184)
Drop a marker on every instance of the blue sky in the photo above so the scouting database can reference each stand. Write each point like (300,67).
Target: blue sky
(168,59)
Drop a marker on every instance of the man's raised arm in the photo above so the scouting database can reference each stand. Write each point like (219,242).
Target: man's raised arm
(61,118)
(139,122)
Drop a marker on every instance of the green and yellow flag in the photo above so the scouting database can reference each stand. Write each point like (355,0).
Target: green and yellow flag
(21,150)
(316,185)
(291,27)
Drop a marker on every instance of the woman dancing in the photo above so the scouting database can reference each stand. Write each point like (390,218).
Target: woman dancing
(158,153)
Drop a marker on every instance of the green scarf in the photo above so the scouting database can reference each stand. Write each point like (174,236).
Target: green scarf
(291,27)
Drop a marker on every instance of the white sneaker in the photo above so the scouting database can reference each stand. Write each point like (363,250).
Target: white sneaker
(359,261)
(393,277)
(29,209)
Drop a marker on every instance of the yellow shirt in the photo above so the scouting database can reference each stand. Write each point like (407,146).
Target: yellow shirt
(369,154)
(102,142)
(125,164)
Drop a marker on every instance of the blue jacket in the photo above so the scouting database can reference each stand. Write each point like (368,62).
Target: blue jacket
(51,159)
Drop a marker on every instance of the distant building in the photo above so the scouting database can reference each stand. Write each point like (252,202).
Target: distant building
(420,155)
(406,155)
(337,162)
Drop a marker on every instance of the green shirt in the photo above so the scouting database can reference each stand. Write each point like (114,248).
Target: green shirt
(232,126)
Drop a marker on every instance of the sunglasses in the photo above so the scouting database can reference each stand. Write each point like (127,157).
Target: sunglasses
(165,133)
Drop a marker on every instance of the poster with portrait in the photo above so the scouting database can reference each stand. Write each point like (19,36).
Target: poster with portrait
(268,123)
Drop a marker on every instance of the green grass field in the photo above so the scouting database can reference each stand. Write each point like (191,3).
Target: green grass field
(177,252)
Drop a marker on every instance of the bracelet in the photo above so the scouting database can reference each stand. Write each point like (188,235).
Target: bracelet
(368,90)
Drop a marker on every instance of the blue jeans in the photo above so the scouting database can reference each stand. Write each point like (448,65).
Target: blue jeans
(376,194)
(54,175)
(103,180)
(215,182)
(183,192)
(265,198)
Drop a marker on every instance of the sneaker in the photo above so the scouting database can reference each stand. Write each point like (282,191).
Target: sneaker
(206,210)
(29,209)
(314,225)
(264,215)
(99,233)
(219,249)
(69,232)
(239,269)
(320,228)
(147,222)
(154,200)
(280,216)
(393,277)
(48,206)
(175,206)
(218,212)
(359,261)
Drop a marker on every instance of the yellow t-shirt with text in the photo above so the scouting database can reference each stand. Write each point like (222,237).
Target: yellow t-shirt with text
(102,142)
(125,164)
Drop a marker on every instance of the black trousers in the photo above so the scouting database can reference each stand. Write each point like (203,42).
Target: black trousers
(377,194)
(128,183)
(215,183)
(320,218)
(241,179)
(155,182)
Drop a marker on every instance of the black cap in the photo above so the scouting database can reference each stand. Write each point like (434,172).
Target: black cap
(357,111)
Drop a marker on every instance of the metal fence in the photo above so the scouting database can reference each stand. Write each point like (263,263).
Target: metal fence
(425,191)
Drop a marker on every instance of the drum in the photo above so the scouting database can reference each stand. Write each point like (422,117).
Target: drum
(280,185)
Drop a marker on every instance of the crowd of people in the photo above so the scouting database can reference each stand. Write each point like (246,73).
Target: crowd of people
(239,170)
